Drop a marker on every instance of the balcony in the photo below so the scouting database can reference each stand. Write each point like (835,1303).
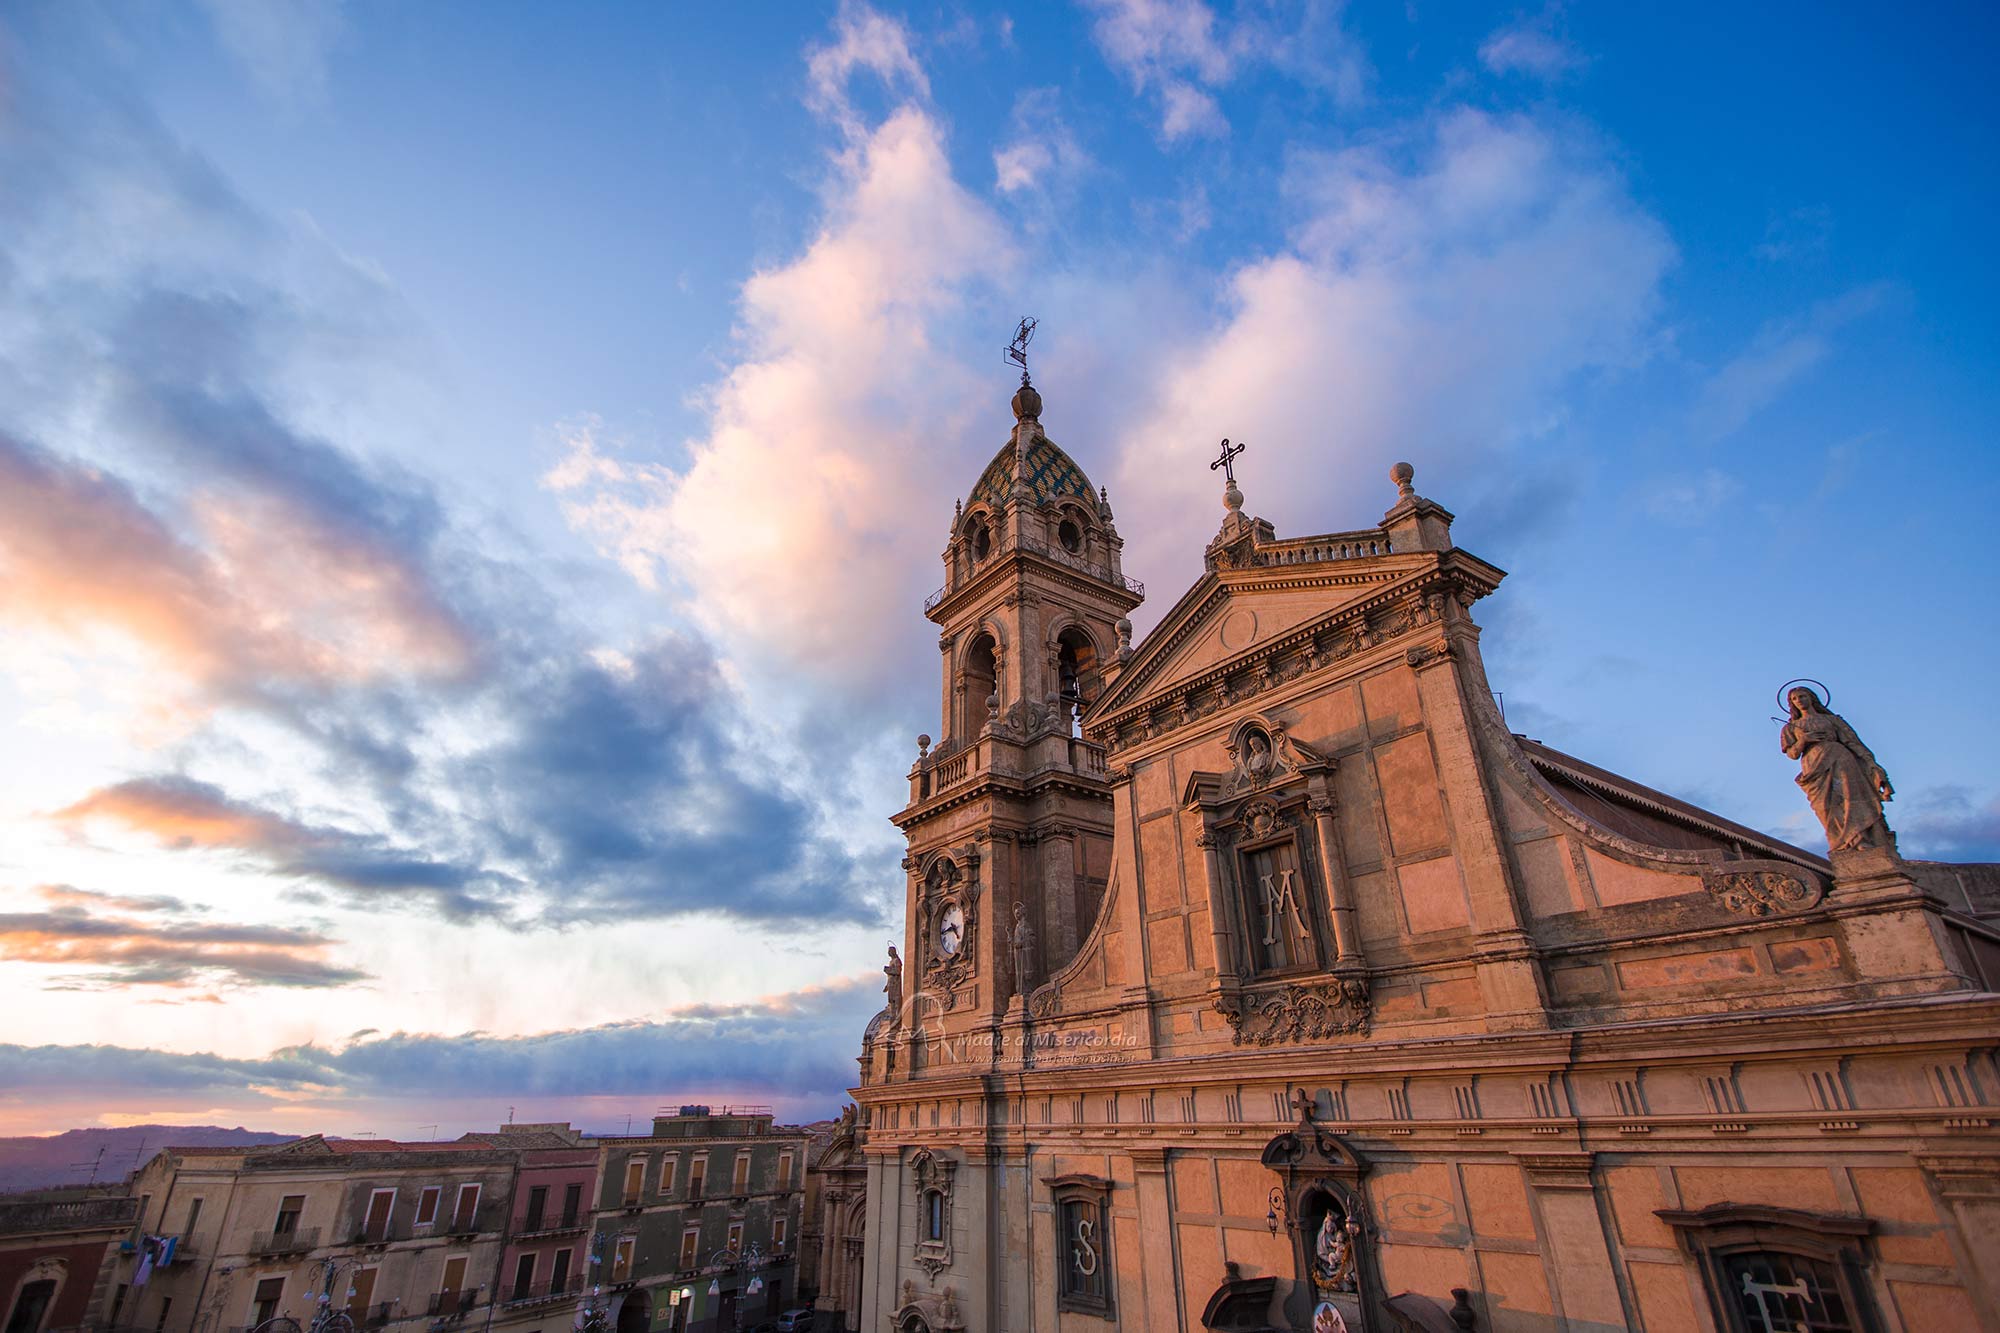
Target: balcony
(469,1223)
(453,1304)
(537,1292)
(549,1226)
(379,1314)
(292,1240)
(32,1215)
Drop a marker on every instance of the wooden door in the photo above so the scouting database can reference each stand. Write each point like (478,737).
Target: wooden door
(361,1294)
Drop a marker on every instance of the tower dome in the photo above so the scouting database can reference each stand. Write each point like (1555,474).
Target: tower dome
(1051,475)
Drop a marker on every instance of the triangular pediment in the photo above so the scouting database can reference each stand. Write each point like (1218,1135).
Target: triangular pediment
(1234,614)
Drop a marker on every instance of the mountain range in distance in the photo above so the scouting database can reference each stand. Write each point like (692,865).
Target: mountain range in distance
(77,1156)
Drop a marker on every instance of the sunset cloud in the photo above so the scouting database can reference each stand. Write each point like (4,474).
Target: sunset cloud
(159,950)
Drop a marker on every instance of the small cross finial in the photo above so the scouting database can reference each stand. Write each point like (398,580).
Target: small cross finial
(1227,462)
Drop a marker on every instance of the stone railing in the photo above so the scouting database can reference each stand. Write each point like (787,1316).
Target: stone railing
(953,769)
(1330,546)
(31,1215)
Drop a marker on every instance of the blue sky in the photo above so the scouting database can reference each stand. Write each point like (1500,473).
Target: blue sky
(468,475)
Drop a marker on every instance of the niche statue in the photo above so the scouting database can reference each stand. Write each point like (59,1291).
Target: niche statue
(1838,774)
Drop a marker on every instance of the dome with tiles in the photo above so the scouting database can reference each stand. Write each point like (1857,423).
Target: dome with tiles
(1052,475)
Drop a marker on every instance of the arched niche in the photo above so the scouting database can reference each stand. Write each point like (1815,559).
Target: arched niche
(1320,1201)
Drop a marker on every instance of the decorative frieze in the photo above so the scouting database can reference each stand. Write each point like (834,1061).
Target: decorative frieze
(1297,1013)
(1764,888)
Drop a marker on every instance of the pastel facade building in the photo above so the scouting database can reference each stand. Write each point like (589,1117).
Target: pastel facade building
(1256,976)
(56,1252)
(698,1222)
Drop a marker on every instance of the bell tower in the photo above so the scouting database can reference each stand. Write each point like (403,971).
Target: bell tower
(1009,820)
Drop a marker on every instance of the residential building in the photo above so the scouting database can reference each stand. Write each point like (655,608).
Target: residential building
(55,1251)
(395,1233)
(1287,988)
(698,1221)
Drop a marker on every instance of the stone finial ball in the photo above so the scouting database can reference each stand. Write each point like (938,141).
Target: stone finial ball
(1402,474)
(1028,404)
(923,742)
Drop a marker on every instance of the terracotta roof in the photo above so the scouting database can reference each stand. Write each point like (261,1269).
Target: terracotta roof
(1051,474)
(1652,817)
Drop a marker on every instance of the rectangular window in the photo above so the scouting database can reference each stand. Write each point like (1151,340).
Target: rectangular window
(740,1182)
(427,1205)
(166,1304)
(635,1180)
(621,1259)
(1278,907)
(264,1305)
(524,1277)
(572,1204)
(1083,1254)
(559,1272)
(690,1247)
(450,1298)
(778,1232)
(697,1175)
(360,1294)
(538,1202)
(194,1216)
(381,1204)
(785,1170)
(465,1213)
(145,1203)
(289,1209)
(668,1165)
(735,1237)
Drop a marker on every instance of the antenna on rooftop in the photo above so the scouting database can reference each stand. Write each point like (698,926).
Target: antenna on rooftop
(1017,351)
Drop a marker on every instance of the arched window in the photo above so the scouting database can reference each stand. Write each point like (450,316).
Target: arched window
(1077,681)
(977,682)
(978,538)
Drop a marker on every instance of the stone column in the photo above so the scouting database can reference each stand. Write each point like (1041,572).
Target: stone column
(1333,857)
(1575,1249)
(1218,908)
(1058,858)
(1157,1305)
(1968,1184)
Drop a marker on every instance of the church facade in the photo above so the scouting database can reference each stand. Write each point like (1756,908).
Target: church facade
(1256,976)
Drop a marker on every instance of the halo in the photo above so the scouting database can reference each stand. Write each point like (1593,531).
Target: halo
(1825,695)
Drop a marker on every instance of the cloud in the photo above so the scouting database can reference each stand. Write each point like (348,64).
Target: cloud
(130,951)
(1043,154)
(1530,47)
(1782,352)
(1181,50)
(282,44)
(796,1044)
(864,39)
(1690,500)
(810,507)
(1949,824)
(1440,291)
(186,814)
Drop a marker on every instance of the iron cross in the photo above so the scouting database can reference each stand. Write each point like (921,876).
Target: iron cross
(1228,461)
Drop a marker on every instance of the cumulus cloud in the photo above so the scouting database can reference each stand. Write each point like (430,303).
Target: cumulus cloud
(1438,293)
(163,951)
(811,507)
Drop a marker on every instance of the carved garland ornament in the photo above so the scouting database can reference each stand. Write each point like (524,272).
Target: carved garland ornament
(1298,1013)
(1764,888)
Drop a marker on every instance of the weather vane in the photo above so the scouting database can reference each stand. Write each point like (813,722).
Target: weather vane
(1227,462)
(1017,351)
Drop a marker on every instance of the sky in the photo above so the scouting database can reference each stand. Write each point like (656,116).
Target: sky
(469,475)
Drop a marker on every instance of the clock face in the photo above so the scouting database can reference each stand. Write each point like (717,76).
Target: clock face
(951,931)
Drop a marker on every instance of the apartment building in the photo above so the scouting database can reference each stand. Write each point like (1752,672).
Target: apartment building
(698,1221)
